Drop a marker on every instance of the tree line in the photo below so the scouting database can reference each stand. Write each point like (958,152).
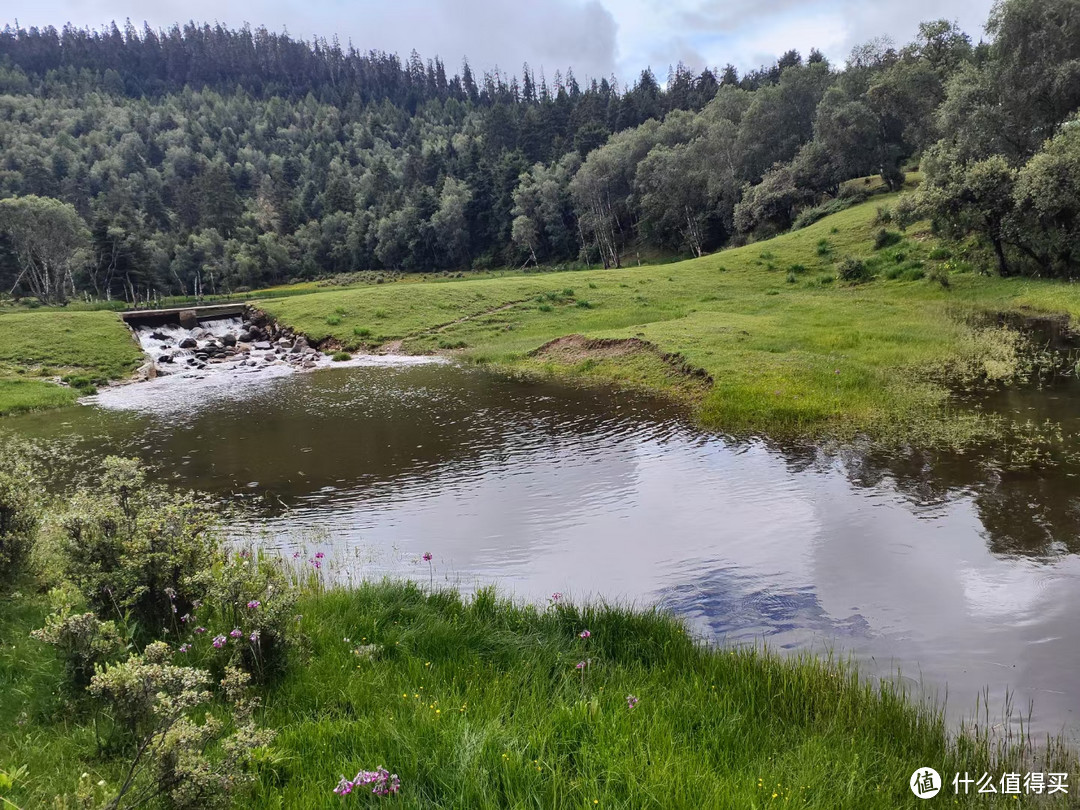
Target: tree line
(206,159)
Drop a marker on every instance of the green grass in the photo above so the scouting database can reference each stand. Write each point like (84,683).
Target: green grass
(478,704)
(88,348)
(790,354)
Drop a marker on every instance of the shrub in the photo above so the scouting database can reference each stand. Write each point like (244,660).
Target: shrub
(82,641)
(250,603)
(941,276)
(853,270)
(883,216)
(333,320)
(341,357)
(885,238)
(824,249)
(808,216)
(18,514)
(133,547)
(361,331)
(151,700)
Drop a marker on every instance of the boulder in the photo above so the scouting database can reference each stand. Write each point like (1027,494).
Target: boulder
(262,346)
(158,336)
(246,337)
(188,343)
(188,319)
(229,340)
(165,358)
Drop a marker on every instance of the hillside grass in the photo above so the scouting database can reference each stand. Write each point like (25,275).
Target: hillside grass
(478,703)
(791,349)
(84,348)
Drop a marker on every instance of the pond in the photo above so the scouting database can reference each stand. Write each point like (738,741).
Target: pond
(947,567)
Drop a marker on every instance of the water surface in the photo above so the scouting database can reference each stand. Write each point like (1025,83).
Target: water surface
(947,567)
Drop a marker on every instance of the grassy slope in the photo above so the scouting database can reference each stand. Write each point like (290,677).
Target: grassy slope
(49,343)
(479,705)
(773,347)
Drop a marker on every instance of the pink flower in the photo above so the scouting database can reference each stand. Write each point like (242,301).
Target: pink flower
(319,555)
(219,642)
(631,701)
(344,787)
(585,634)
(296,555)
(555,597)
(255,637)
(200,629)
(185,647)
(581,665)
(186,617)
(254,603)
(316,564)
(236,632)
(427,556)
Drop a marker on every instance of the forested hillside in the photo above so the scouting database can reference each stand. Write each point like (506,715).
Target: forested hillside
(201,159)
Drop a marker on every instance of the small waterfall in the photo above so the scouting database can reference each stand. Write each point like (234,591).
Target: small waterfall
(225,344)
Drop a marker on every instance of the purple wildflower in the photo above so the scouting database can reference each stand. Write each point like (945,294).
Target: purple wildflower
(316,564)
(319,555)
(555,597)
(196,604)
(585,634)
(185,647)
(581,665)
(200,629)
(236,632)
(254,603)
(427,556)
(382,781)
(296,555)
(631,701)
(254,637)
(186,617)
(170,593)
(219,642)
(344,787)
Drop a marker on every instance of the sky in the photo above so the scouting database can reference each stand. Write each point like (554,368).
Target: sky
(597,38)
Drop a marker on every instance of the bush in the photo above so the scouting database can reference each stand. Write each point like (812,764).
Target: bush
(82,641)
(151,700)
(885,238)
(361,331)
(853,270)
(249,603)
(883,216)
(808,216)
(333,320)
(341,357)
(131,547)
(18,514)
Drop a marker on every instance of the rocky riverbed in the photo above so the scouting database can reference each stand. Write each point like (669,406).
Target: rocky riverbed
(195,348)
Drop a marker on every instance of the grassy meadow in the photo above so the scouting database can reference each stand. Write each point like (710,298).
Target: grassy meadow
(82,348)
(790,348)
(479,703)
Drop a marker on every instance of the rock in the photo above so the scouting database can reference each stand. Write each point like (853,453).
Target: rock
(285,342)
(246,337)
(165,358)
(300,342)
(257,333)
(263,346)
(309,352)
(188,319)
(188,343)
(158,336)
(229,340)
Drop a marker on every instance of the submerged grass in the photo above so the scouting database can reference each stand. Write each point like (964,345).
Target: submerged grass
(479,703)
(789,354)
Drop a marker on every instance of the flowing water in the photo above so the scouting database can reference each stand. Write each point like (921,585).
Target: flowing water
(950,568)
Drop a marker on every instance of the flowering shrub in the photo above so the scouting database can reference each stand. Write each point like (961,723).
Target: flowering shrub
(135,548)
(151,701)
(250,606)
(82,640)
(381,781)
